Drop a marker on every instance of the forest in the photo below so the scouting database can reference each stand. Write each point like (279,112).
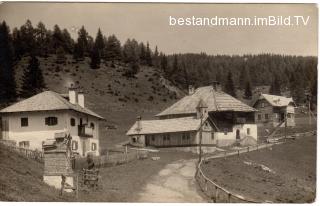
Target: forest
(284,73)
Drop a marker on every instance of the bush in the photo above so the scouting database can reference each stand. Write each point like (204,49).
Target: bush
(150,98)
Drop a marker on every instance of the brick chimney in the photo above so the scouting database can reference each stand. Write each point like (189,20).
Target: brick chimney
(73,94)
(191,89)
(81,98)
(138,124)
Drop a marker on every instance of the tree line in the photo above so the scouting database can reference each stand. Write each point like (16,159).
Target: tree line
(296,75)
(283,73)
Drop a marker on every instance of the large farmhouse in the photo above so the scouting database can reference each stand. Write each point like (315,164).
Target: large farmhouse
(43,116)
(272,110)
(206,113)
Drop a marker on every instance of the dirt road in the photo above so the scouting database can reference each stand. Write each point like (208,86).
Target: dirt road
(174,183)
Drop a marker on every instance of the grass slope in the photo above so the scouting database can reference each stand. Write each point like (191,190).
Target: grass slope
(118,98)
(21,179)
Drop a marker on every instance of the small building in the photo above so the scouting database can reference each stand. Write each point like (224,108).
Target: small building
(272,110)
(32,121)
(207,111)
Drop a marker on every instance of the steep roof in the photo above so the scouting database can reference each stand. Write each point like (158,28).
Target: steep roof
(165,126)
(276,101)
(47,101)
(215,100)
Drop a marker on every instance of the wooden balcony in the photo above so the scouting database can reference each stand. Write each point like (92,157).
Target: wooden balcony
(85,131)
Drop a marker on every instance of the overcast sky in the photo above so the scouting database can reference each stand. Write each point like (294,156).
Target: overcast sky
(150,22)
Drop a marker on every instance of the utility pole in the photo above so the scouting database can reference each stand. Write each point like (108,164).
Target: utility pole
(200,138)
(285,126)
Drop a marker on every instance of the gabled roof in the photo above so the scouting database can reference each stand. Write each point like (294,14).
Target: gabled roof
(165,126)
(276,101)
(214,100)
(47,101)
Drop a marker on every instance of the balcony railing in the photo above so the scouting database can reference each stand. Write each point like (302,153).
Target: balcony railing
(85,131)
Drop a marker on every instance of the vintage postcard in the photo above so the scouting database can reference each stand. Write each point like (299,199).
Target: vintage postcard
(158,102)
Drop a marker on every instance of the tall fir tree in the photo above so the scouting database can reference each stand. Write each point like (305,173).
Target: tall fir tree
(248,90)
(229,86)
(112,49)
(33,82)
(99,43)
(95,58)
(164,63)
(7,79)
(142,53)
(275,88)
(148,55)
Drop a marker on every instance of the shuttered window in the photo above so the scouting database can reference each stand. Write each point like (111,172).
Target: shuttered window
(72,122)
(51,121)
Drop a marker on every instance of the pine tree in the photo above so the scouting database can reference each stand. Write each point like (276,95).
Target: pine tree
(42,40)
(57,38)
(27,38)
(7,80)
(95,58)
(33,81)
(275,86)
(112,49)
(142,54)
(131,51)
(61,56)
(164,63)
(99,43)
(155,57)
(148,55)
(68,42)
(229,87)
(248,91)
(243,77)
(82,46)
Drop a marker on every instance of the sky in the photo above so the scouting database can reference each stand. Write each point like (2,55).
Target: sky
(150,22)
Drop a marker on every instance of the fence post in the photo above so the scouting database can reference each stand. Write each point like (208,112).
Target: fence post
(127,153)
(205,185)
(238,153)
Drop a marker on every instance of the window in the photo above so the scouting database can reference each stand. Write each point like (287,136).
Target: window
(186,136)
(259,116)
(92,125)
(24,122)
(166,137)
(212,135)
(152,138)
(248,131)
(288,116)
(134,140)
(50,121)
(74,145)
(72,122)
(24,144)
(93,146)
(266,116)
(262,104)
(225,131)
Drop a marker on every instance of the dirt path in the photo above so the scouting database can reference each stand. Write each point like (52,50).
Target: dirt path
(174,183)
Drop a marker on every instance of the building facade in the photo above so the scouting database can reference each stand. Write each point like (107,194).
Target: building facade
(32,121)
(273,109)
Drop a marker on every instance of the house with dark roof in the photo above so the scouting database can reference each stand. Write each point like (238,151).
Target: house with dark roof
(273,109)
(32,121)
(207,114)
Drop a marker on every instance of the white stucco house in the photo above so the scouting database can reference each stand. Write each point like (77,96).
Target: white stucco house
(207,113)
(32,121)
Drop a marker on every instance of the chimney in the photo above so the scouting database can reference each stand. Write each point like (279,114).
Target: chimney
(81,98)
(73,94)
(191,89)
(216,86)
(138,124)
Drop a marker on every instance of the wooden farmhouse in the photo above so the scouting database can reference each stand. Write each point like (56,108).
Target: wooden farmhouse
(32,121)
(207,112)
(272,110)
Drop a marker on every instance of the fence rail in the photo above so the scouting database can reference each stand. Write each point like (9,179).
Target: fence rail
(219,194)
(32,154)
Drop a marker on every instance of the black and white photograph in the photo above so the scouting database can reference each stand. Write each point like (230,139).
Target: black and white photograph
(159,102)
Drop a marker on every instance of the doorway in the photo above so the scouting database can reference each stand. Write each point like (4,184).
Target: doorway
(238,134)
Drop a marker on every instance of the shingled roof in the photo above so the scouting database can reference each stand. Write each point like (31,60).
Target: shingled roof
(47,101)
(276,101)
(215,100)
(165,126)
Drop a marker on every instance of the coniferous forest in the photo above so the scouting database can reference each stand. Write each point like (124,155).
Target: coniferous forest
(283,73)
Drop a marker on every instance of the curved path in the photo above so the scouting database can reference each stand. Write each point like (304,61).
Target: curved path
(174,183)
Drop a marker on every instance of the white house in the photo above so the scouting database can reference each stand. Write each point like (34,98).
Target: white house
(219,118)
(31,121)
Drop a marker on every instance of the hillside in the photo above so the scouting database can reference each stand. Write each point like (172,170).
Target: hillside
(108,92)
(21,179)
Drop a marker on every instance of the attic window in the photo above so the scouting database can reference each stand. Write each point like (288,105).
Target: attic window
(92,125)
(262,104)
(51,121)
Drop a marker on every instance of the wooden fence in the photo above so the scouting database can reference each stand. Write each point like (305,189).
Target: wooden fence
(28,153)
(219,194)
